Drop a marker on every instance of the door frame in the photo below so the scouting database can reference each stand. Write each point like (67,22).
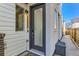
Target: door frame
(44,26)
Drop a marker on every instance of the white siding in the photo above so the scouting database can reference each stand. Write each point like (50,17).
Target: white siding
(15,41)
(51,33)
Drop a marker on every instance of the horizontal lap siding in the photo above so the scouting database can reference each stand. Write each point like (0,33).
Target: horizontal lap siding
(16,42)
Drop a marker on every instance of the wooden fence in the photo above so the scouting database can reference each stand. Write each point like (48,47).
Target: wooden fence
(2,45)
(74,33)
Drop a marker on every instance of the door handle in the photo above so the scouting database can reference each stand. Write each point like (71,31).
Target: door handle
(32,33)
(27,40)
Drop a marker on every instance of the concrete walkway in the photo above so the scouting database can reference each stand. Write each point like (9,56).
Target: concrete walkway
(71,49)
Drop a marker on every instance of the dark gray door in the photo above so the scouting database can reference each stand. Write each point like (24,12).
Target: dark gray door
(37,27)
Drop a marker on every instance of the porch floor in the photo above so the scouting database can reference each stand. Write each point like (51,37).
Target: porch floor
(71,49)
(27,53)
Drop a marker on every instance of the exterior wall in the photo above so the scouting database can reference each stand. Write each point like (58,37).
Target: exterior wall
(51,34)
(15,41)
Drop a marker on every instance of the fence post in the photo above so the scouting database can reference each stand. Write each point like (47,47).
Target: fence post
(75,35)
(2,35)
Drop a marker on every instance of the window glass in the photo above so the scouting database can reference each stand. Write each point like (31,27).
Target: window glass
(19,18)
(55,20)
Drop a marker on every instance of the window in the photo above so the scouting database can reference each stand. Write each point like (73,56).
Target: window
(19,18)
(55,20)
(59,21)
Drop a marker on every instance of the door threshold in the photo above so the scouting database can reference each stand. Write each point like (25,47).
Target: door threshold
(37,52)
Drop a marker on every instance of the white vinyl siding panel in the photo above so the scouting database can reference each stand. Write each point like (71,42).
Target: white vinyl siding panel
(15,41)
(51,31)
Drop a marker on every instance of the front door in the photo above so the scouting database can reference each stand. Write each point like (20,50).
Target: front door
(37,27)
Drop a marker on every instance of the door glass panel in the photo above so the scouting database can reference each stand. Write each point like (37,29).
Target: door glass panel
(38,27)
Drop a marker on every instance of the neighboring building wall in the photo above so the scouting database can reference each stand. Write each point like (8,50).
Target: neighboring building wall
(75,25)
(15,41)
(51,33)
(64,28)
